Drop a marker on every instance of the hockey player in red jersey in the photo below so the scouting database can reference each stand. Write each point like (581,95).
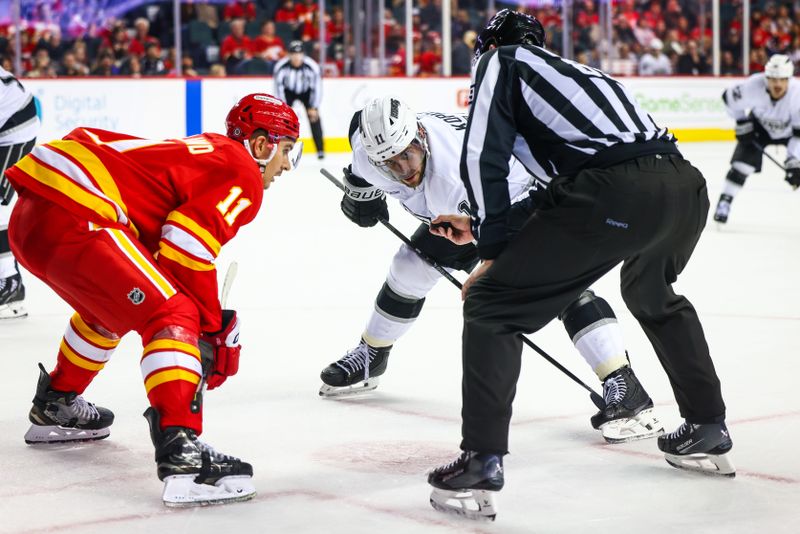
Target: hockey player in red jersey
(126,230)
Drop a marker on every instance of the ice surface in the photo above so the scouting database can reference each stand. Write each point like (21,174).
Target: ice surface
(307,281)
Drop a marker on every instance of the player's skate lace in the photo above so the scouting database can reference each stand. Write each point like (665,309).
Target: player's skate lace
(76,412)
(213,454)
(680,431)
(358,358)
(614,390)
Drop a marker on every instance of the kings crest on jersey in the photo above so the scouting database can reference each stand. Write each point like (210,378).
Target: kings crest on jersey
(441,191)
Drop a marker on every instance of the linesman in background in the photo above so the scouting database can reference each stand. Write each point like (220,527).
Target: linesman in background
(616,189)
(19,125)
(298,77)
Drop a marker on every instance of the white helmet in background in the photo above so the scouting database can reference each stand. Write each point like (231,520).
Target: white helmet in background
(388,126)
(779,66)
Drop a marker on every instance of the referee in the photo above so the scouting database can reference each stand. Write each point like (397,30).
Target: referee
(616,189)
(19,125)
(298,77)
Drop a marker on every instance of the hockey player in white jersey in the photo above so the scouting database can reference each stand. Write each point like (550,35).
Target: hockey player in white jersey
(415,159)
(19,125)
(766,108)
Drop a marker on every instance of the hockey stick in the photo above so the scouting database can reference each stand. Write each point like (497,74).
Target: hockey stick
(206,353)
(772,159)
(596,399)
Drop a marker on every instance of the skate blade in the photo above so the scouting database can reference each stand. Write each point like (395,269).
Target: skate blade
(358,388)
(14,310)
(181,491)
(37,434)
(643,425)
(476,505)
(708,464)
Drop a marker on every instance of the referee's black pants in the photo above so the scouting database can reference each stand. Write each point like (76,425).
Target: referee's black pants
(649,213)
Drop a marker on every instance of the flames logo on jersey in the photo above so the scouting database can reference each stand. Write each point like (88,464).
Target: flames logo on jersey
(136,296)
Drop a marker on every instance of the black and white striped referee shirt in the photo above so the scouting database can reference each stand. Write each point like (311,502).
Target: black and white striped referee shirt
(556,117)
(305,80)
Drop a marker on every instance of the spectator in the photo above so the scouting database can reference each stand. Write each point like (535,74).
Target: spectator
(654,62)
(71,67)
(728,65)
(239,10)
(462,54)
(287,13)
(267,45)
(42,68)
(187,67)
(142,37)
(236,47)
(692,62)
(625,63)
(104,66)
(152,64)
(132,67)
(217,70)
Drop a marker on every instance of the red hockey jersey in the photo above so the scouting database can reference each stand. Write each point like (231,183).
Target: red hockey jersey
(182,198)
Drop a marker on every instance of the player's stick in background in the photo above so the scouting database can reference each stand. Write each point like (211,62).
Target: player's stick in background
(207,352)
(596,398)
(772,159)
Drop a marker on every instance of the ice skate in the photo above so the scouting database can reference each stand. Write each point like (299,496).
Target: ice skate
(466,486)
(628,414)
(356,373)
(723,208)
(60,417)
(702,448)
(194,474)
(12,293)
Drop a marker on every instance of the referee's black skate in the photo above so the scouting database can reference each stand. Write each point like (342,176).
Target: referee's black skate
(357,371)
(466,486)
(699,447)
(12,293)
(195,474)
(60,417)
(628,414)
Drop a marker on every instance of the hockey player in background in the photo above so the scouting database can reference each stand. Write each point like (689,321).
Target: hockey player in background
(19,125)
(415,159)
(126,230)
(617,191)
(766,108)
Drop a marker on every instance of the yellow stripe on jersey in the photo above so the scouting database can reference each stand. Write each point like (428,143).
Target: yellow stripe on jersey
(170,375)
(65,186)
(78,360)
(144,265)
(179,257)
(171,344)
(86,331)
(96,169)
(197,230)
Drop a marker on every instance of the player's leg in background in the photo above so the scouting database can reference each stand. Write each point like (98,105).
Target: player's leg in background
(12,290)
(316,127)
(397,306)
(593,328)
(746,160)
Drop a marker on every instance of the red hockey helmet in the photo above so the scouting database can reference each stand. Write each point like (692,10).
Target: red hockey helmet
(262,111)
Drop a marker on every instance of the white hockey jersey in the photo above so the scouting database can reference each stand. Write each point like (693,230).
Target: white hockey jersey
(16,99)
(441,191)
(780,118)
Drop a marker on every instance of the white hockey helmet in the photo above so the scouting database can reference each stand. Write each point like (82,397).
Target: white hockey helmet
(779,66)
(388,126)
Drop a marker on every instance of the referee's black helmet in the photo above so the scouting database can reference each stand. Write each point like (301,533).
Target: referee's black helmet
(509,27)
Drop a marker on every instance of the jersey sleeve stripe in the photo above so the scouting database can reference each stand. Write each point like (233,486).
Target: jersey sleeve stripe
(170,375)
(204,235)
(144,265)
(183,240)
(180,257)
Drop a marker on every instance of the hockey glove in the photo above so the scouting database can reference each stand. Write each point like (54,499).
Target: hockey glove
(224,346)
(363,203)
(793,172)
(745,131)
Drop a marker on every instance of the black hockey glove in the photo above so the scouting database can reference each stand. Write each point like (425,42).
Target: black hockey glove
(745,131)
(793,173)
(363,203)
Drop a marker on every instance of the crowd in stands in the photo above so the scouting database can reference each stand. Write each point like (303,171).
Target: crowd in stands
(649,37)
